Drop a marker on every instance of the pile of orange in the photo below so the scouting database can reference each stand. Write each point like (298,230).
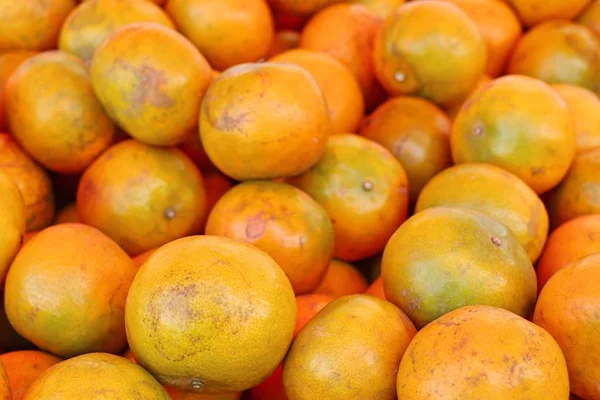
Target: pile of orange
(299,200)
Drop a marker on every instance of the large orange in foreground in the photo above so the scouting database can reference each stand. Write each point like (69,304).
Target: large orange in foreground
(12,215)
(24,367)
(585,109)
(532,12)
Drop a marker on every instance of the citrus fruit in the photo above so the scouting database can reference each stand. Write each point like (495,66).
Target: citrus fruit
(5,393)
(454,107)
(300,8)
(382,8)
(283,40)
(585,109)
(341,279)
(10,340)
(24,367)
(194,150)
(9,62)
(182,395)
(532,12)
(376,289)
(141,258)
(67,214)
(215,185)
(590,17)
(12,215)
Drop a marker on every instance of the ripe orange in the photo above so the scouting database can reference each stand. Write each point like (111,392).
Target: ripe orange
(532,12)
(12,215)
(590,17)
(9,62)
(454,107)
(24,367)
(284,40)
(10,340)
(342,279)
(301,8)
(376,289)
(182,395)
(215,185)
(140,259)
(236,131)
(194,150)
(67,214)
(4,387)
(382,8)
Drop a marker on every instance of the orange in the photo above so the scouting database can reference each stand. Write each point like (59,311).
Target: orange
(413,56)
(97,376)
(215,185)
(532,12)
(140,259)
(567,308)
(283,40)
(194,150)
(519,124)
(32,24)
(339,86)
(10,340)
(9,62)
(282,110)
(67,214)
(454,107)
(282,221)
(92,21)
(12,215)
(143,73)
(445,258)
(571,241)
(87,317)
(585,109)
(227,32)
(24,367)
(287,21)
(351,349)
(483,353)
(376,289)
(5,393)
(60,124)
(383,8)
(496,193)
(590,17)
(301,7)
(142,196)
(271,388)
(363,189)
(341,279)
(181,395)
(559,52)
(417,132)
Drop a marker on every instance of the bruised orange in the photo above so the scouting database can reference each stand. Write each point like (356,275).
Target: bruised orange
(300,7)
(342,279)
(12,215)
(376,289)
(283,40)
(532,12)
(24,367)
(67,214)
(585,109)
(9,62)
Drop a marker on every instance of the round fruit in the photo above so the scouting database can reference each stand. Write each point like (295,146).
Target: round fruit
(302,8)
(351,349)
(485,188)
(99,376)
(12,215)
(10,340)
(282,221)
(409,61)
(417,132)
(445,258)
(140,259)
(215,185)
(284,40)
(376,289)
(568,308)
(585,109)
(483,353)
(532,12)
(339,86)
(227,32)
(9,62)
(454,107)
(364,190)
(142,196)
(67,214)
(60,124)
(520,124)
(590,17)
(341,279)
(5,393)
(151,80)
(94,20)
(271,388)
(24,367)
(183,395)
(207,314)
(382,8)
(578,50)
(282,111)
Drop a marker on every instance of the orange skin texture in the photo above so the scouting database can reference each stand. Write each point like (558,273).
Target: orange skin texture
(533,12)
(413,56)
(301,8)
(445,258)
(585,109)
(98,272)
(347,32)
(571,241)
(342,279)
(578,193)
(145,71)
(519,124)
(100,376)
(376,289)
(417,132)
(9,62)
(140,259)
(67,214)
(340,87)
(383,8)
(10,340)
(28,236)
(248,314)
(5,393)
(215,185)
(483,352)
(227,32)
(559,52)
(484,188)
(567,308)
(335,357)
(454,107)
(590,17)
(283,40)
(283,222)
(12,215)
(364,190)
(264,111)
(24,367)
(93,21)
(142,196)
(32,24)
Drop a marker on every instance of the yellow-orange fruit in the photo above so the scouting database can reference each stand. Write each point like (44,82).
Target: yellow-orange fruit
(24,367)
(382,8)
(532,12)
(9,62)
(454,107)
(67,214)
(585,110)
(590,17)
(284,40)
(376,289)
(301,8)
(341,279)
(5,393)
(12,215)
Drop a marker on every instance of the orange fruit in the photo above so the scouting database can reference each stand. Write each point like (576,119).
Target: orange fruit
(227,32)
(144,72)
(227,297)
(340,87)
(559,52)
(99,376)
(9,62)
(287,21)
(32,24)
(382,8)
(12,215)
(412,55)
(182,395)
(376,289)
(363,189)
(142,196)
(60,124)
(301,8)
(532,12)
(92,21)
(271,388)
(483,353)
(10,340)
(238,130)
(417,132)
(351,349)
(194,150)
(215,185)
(519,124)
(67,214)
(5,393)
(461,256)
(485,188)
(24,367)
(98,273)
(141,258)
(567,308)
(342,279)
(283,40)
(454,107)
(571,241)
(585,109)
(283,222)
(590,17)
